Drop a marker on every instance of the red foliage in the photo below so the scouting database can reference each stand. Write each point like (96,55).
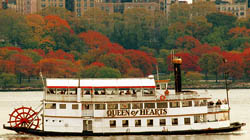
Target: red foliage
(52,67)
(60,54)
(7,66)
(13,49)
(94,39)
(141,60)
(40,52)
(239,32)
(55,23)
(234,64)
(205,49)
(99,64)
(23,64)
(189,62)
(187,42)
(246,60)
(113,48)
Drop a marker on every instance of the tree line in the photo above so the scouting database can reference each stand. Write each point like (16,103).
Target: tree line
(99,44)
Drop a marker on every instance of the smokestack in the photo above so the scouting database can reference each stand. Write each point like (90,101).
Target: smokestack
(177,73)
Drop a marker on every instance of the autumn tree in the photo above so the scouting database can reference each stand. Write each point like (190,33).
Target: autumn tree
(189,62)
(141,60)
(233,64)
(210,63)
(93,39)
(24,66)
(187,42)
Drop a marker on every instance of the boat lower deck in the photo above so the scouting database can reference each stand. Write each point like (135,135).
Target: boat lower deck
(233,127)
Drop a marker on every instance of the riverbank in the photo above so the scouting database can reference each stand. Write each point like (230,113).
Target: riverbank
(207,85)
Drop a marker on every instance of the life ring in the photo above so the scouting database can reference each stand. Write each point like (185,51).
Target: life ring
(166,92)
(162,98)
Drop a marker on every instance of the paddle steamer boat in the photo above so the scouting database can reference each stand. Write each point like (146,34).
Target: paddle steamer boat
(120,106)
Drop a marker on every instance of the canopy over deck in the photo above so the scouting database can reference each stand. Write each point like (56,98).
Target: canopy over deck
(101,83)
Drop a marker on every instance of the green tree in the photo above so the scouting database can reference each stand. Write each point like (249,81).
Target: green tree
(193,76)
(210,63)
(7,79)
(14,30)
(106,72)
(221,19)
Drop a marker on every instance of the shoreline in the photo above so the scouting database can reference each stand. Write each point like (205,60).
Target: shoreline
(170,87)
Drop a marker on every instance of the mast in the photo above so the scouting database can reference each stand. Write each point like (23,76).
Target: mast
(226,74)
(44,94)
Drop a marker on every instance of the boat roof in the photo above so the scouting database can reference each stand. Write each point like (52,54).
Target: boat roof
(100,83)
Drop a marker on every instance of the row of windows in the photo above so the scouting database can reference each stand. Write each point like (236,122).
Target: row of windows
(130,105)
(150,122)
(101,91)
(44,5)
(52,0)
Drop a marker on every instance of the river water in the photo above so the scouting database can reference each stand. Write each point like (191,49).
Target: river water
(239,103)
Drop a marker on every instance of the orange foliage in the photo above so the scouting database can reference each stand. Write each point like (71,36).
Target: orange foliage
(94,39)
(56,24)
(52,67)
(239,32)
(187,42)
(7,66)
(23,64)
(205,49)
(60,54)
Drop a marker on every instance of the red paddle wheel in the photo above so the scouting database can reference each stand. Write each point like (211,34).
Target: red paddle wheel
(24,117)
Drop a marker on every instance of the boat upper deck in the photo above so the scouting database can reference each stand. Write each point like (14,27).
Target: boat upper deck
(114,90)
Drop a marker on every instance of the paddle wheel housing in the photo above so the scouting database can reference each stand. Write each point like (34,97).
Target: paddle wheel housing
(24,117)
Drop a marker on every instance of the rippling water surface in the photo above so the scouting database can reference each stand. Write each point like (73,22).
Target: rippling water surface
(239,102)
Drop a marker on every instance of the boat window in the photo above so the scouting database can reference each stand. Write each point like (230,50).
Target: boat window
(149,105)
(162,105)
(204,103)
(158,86)
(222,116)
(51,91)
(148,91)
(186,103)
(125,106)
(87,106)
(62,91)
(86,91)
(137,106)
(162,122)
(72,91)
(112,123)
(150,122)
(174,104)
(50,106)
(100,106)
(74,106)
(137,123)
(62,106)
(125,123)
(112,106)
(174,121)
(198,118)
(187,121)
(163,86)
(197,103)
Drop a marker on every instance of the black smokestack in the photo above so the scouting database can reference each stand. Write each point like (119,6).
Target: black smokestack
(177,73)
